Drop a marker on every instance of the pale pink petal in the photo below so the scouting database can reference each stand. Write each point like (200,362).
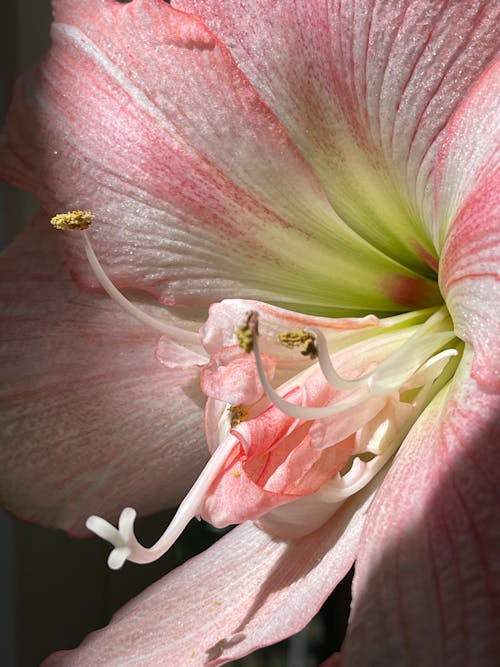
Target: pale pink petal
(193,200)
(224,318)
(427,582)
(246,591)
(468,222)
(231,376)
(174,355)
(91,421)
(365,89)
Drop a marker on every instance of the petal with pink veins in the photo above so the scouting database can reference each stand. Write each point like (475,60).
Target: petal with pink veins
(365,90)
(427,572)
(260,590)
(90,419)
(467,222)
(231,376)
(193,201)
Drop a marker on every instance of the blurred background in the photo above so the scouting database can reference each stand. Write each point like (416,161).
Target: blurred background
(55,590)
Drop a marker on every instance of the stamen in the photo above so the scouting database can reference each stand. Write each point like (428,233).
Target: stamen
(325,363)
(383,380)
(80,220)
(72,220)
(301,411)
(127,547)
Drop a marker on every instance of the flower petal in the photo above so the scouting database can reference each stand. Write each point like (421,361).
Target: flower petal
(91,421)
(231,376)
(467,223)
(365,90)
(249,590)
(193,201)
(427,574)
(219,331)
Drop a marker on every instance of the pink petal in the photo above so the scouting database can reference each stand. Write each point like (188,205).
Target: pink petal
(219,330)
(468,218)
(365,90)
(91,421)
(194,201)
(246,591)
(231,376)
(427,584)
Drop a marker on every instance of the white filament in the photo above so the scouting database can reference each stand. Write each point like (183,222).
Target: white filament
(393,371)
(152,322)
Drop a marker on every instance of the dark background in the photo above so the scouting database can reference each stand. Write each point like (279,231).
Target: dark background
(54,590)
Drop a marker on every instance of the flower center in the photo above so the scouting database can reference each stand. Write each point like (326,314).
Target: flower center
(398,384)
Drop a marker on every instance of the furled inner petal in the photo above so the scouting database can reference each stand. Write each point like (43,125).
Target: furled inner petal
(231,376)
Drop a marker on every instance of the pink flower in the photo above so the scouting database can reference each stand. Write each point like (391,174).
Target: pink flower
(335,160)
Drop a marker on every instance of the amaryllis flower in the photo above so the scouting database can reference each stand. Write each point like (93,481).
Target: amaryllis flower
(301,199)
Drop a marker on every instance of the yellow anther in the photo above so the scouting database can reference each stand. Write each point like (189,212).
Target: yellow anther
(245,333)
(304,339)
(72,220)
(237,414)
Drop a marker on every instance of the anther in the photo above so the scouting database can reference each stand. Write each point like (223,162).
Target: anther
(79,220)
(304,339)
(246,333)
(237,414)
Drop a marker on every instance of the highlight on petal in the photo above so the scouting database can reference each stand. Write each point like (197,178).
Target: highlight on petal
(193,202)
(260,590)
(426,580)
(91,421)
(365,90)
(467,219)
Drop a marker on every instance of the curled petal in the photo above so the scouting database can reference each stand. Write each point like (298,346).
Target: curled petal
(231,376)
